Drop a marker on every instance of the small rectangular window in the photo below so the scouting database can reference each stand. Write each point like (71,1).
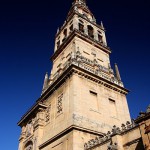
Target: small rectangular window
(86,52)
(59,65)
(112,101)
(93,93)
(68,55)
(112,108)
(100,60)
(93,54)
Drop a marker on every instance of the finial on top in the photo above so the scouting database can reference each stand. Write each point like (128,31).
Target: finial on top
(148,109)
(45,85)
(117,72)
(102,25)
(80,1)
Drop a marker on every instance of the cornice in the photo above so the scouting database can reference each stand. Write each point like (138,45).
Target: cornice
(100,80)
(142,118)
(61,79)
(68,130)
(80,71)
(30,112)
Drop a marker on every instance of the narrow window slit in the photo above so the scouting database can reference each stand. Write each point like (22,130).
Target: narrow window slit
(93,93)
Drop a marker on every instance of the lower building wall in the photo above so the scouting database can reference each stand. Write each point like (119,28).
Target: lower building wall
(80,137)
(131,136)
(145,135)
(129,139)
(135,146)
(132,140)
(72,141)
(63,143)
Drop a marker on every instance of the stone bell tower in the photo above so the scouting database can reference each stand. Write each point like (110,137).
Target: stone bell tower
(83,97)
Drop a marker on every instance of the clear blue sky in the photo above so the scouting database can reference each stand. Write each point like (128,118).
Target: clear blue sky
(27,30)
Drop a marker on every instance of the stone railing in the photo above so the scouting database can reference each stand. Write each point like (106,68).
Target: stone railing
(143,114)
(91,66)
(107,137)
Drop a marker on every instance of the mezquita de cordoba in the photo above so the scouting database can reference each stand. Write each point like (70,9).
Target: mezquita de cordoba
(83,104)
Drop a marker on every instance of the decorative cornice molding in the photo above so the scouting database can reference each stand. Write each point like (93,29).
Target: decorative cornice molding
(132,142)
(66,131)
(34,108)
(72,68)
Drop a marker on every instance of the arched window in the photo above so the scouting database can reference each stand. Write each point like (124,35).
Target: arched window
(58,44)
(29,146)
(81,27)
(100,37)
(71,28)
(90,31)
(65,35)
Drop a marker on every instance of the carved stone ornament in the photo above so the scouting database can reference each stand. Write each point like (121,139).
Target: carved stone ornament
(29,129)
(90,65)
(29,146)
(47,113)
(148,109)
(76,8)
(107,137)
(113,146)
(116,130)
(60,104)
(95,142)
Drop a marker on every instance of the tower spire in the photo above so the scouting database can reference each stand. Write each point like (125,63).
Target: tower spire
(45,84)
(117,72)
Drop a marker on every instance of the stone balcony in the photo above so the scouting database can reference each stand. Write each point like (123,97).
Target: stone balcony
(92,66)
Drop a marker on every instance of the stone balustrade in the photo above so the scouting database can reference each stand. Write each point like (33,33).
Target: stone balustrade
(89,65)
(107,137)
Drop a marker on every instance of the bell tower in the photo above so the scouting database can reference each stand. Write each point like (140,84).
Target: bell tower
(83,96)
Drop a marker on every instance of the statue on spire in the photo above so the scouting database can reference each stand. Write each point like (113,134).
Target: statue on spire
(80,1)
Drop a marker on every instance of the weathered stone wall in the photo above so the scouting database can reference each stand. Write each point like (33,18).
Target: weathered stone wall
(63,143)
(59,121)
(94,110)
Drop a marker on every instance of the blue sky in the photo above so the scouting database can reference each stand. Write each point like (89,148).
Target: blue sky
(27,31)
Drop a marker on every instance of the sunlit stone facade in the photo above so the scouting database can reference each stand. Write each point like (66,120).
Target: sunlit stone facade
(83,98)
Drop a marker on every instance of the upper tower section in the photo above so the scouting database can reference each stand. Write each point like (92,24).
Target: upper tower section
(81,8)
(81,20)
(81,42)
